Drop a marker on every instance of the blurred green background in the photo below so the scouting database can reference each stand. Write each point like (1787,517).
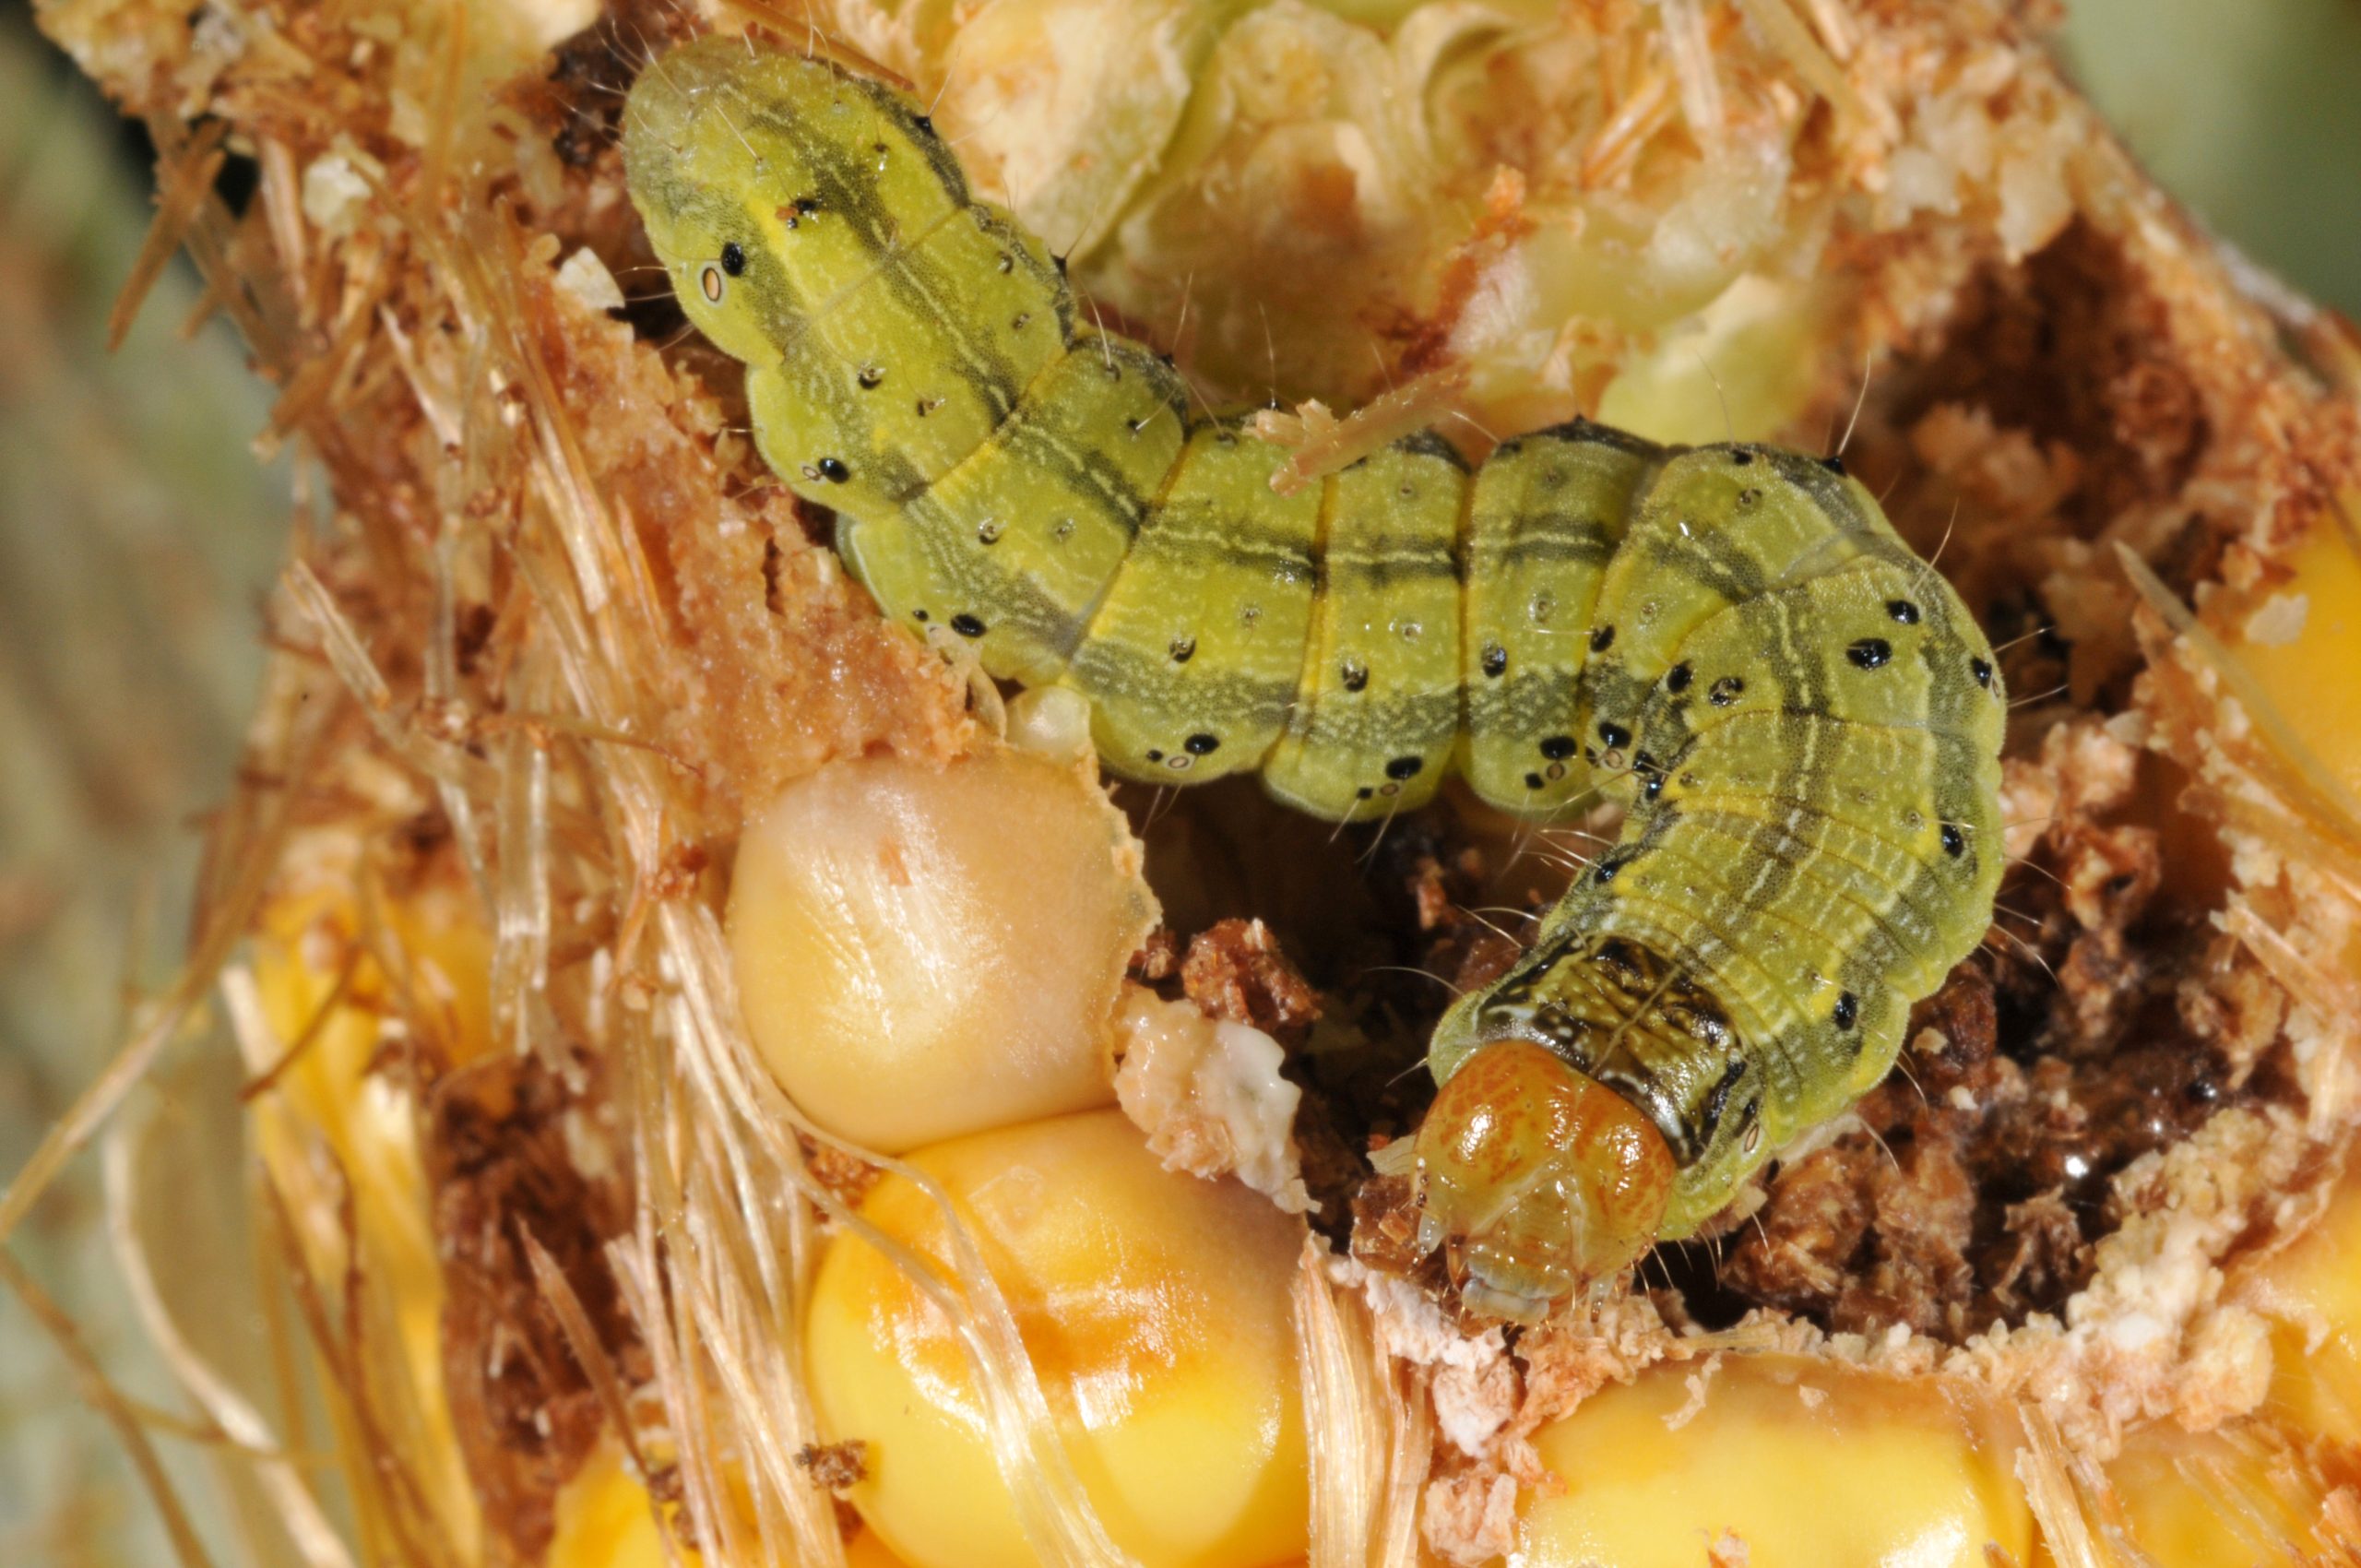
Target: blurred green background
(137,534)
(2250,111)
(137,537)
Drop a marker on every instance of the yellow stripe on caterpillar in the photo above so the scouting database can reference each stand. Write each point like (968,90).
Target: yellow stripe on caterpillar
(1802,719)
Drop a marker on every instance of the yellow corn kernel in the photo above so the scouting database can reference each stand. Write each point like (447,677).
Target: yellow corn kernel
(2242,1495)
(321,988)
(2296,638)
(924,951)
(1154,1306)
(1801,1461)
(865,1550)
(2310,1290)
(604,1519)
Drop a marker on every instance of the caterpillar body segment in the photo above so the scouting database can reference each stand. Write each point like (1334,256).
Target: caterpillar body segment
(1203,628)
(1015,546)
(1548,514)
(1800,717)
(1376,720)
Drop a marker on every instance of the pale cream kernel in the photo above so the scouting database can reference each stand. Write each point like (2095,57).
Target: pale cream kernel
(1155,1309)
(924,951)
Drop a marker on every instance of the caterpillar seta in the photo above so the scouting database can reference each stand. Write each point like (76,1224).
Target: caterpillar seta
(1803,718)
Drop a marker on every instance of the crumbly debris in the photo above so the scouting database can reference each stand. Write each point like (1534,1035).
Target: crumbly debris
(504,1179)
(835,1466)
(1159,958)
(1472,1404)
(1697,1382)
(847,1176)
(1490,1397)
(783,662)
(2291,859)
(1470,1519)
(1470,1378)
(1385,1228)
(1234,971)
(2151,1337)
(1567,1362)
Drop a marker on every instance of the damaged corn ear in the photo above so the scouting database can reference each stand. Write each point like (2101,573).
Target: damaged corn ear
(1801,1461)
(1154,1307)
(925,952)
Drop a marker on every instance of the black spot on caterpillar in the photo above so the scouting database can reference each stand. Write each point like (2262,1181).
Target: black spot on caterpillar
(1818,845)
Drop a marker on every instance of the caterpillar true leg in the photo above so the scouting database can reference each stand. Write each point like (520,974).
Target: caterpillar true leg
(1800,717)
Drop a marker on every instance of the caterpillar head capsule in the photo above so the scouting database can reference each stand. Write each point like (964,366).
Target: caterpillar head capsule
(1538,1179)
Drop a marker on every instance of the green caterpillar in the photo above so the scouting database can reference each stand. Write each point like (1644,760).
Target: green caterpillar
(1803,718)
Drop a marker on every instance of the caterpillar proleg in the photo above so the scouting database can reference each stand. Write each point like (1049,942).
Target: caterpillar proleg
(1802,718)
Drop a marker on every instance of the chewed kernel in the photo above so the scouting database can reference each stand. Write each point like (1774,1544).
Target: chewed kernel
(1155,1309)
(922,952)
(1539,1179)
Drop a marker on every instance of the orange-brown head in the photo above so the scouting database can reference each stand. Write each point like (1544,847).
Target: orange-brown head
(1539,1179)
